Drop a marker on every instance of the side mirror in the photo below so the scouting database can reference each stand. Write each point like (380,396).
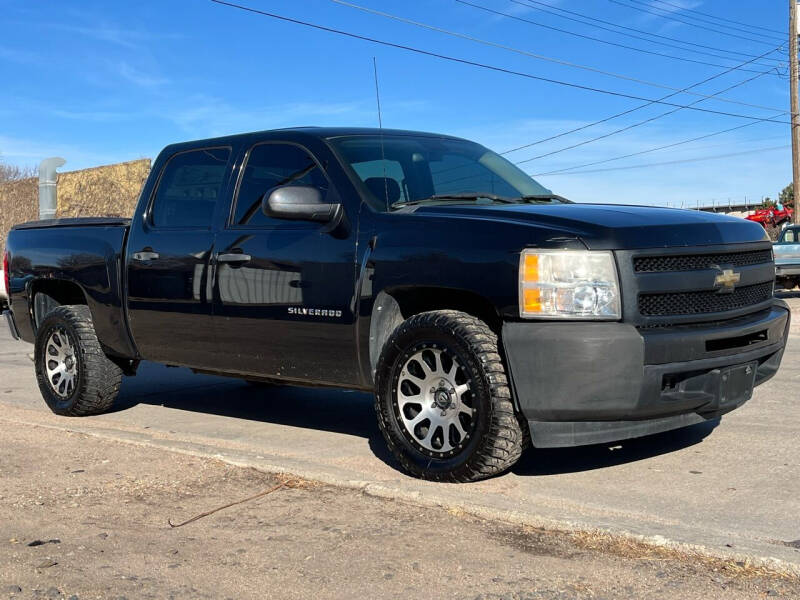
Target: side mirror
(300,203)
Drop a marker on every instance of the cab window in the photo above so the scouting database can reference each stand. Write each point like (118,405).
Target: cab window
(189,188)
(268,166)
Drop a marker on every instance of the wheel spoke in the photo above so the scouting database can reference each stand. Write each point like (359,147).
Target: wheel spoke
(429,436)
(437,362)
(403,399)
(462,389)
(466,410)
(59,370)
(412,423)
(418,381)
(446,446)
(460,430)
(453,370)
(425,366)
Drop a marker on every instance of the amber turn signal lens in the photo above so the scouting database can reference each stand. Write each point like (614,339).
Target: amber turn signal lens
(532,300)
(530,271)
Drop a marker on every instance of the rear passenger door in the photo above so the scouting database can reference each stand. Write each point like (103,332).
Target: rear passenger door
(283,289)
(169,258)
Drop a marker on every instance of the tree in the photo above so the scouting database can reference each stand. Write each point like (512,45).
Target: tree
(15,172)
(786,196)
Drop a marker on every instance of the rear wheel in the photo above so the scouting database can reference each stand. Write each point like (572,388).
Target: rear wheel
(75,376)
(443,400)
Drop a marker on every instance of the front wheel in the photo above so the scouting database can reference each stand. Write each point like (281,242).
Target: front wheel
(75,376)
(443,401)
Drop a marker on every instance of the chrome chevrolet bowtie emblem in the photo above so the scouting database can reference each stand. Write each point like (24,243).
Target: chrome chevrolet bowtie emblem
(727,280)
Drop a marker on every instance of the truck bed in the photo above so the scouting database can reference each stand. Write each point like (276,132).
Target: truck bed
(75,222)
(65,258)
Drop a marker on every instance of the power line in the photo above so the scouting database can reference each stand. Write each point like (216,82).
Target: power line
(673,5)
(640,153)
(589,37)
(634,125)
(545,58)
(629,111)
(702,20)
(749,141)
(690,24)
(489,67)
(676,162)
(592,22)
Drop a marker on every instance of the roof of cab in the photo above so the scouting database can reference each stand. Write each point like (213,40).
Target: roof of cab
(303,132)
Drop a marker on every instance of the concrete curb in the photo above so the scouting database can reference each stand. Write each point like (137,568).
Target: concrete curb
(425,498)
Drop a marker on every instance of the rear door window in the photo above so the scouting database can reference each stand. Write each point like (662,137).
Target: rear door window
(191,184)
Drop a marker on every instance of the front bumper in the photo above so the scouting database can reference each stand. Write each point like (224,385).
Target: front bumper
(12,326)
(786,270)
(586,383)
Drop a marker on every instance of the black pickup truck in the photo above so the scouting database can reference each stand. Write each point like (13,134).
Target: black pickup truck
(484,311)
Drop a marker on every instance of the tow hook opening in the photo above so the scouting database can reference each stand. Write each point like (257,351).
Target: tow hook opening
(740,341)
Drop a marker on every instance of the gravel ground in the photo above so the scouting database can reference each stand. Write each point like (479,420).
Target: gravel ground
(82,517)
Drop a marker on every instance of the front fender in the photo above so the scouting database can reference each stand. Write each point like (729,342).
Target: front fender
(468,260)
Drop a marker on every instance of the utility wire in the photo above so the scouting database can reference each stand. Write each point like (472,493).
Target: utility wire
(489,67)
(640,153)
(631,110)
(589,37)
(684,9)
(669,13)
(547,58)
(749,141)
(635,125)
(592,22)
(672,18)
(678,162)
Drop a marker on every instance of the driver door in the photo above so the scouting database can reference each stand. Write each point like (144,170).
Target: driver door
(283,289)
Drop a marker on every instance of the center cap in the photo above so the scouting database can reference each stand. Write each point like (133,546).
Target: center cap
(442,399)
(69,362)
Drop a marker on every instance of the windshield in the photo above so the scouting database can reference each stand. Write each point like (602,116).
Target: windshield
(398,169)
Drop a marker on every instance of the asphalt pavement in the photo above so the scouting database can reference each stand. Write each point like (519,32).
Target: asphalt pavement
(729,489)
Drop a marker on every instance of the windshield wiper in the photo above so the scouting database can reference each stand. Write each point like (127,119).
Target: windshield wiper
(546,199)
(455,198)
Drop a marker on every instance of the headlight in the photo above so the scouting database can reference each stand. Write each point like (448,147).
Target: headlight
(568,284)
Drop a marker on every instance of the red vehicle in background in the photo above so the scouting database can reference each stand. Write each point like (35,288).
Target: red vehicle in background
(772,218)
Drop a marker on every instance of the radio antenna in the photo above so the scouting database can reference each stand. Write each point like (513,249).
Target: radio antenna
(380,126)
(377,91)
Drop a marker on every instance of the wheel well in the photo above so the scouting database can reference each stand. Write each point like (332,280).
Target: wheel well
(48,294)
(394,306)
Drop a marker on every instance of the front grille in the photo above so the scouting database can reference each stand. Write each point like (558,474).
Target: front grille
(696,262)
(695,303)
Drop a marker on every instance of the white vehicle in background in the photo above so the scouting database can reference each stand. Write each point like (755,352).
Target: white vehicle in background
(787,258)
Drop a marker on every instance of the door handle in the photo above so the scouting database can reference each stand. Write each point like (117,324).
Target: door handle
(145,255)
(233,257)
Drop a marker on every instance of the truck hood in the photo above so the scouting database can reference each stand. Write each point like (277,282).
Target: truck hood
(614,226)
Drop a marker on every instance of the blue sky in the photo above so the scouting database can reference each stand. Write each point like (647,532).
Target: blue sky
(99,82)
